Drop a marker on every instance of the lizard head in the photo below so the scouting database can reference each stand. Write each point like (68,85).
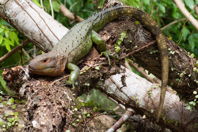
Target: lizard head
(48,64)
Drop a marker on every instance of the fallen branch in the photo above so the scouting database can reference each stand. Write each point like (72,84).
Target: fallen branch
(121,121)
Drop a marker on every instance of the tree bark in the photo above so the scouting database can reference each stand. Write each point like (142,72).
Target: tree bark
(47,100)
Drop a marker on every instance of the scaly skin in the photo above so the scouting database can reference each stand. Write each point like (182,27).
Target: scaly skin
(77,43)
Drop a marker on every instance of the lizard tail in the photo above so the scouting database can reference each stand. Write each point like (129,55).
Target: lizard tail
(161,40)
(99,20)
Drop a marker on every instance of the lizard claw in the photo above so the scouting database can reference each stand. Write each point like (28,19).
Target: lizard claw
(71,83)
(107,55)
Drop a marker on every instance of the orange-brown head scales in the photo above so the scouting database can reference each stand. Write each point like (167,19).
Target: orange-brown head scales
(48,64)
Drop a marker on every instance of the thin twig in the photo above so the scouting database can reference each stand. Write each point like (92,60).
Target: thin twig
(186,13)
(173,22)
(14,50)
(66,12)
(26,54)
(41,2)
(146,45)
(59,79)
(34,51)
(121,121)
(51,7)
(196,9)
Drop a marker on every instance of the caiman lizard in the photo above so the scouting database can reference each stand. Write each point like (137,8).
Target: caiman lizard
(78,42)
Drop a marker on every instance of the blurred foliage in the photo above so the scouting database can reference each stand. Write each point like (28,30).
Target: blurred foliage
(8,40)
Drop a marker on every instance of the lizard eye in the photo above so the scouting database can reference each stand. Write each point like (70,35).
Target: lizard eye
(45,60)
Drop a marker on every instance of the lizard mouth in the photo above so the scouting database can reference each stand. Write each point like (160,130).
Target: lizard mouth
(47,71)
(32,68)
(50,70)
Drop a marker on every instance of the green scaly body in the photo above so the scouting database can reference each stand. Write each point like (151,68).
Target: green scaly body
(78,42)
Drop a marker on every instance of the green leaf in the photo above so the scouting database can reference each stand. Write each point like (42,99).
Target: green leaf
(3,86)
(2,82)
(36,2)
(14,38)
(176,13)
(7,44)
(76,6)
(189,3)
(1,30)
(192,103)
(100,4)
(2,122)
(162,8)
(185,32)
(10,101)
(97,100)
(146,2)
(6,33)
(56,6)
(134,3)
(193,41)
(1,39)
(70,2)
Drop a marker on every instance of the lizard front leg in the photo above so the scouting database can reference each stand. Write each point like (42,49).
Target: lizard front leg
(98,41)
(74,73)
(100,45)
